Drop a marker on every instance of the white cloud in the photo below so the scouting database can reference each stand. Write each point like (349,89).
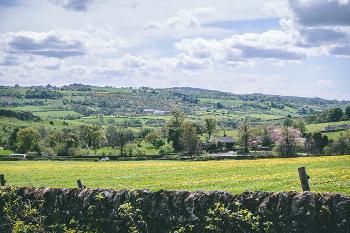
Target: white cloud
(278,45)
(184,20)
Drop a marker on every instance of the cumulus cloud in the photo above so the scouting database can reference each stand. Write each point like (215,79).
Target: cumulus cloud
(45,45)
(185,19)
(277,45)
(321,12)
(62,43)
(319,36)
(322,24)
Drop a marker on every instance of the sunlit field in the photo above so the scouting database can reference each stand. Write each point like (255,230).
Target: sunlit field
(328,174)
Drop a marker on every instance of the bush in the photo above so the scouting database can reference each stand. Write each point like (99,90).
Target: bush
(340,147)
(222,219)
(133,149)
(166,149)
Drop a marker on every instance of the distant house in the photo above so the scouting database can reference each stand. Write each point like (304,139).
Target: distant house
(161,112)
(220,143)
(148,111)
(18,156)
(226,141)
(155,112)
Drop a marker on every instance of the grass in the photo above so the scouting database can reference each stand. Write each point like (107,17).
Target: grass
(321,126)
(4,152)
(328,174)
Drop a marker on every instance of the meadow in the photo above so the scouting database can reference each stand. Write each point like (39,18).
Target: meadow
(328,174)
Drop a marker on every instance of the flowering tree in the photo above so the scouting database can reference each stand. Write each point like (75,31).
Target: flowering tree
(287,140)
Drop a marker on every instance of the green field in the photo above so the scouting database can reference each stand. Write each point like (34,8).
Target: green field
(328,174)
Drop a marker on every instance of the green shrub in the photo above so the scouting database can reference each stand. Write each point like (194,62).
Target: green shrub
(222,219)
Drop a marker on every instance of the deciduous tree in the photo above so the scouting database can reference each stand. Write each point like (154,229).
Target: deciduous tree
(27,140)
(245,134)
(210,126)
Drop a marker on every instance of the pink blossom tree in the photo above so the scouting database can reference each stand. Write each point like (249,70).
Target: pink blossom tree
(287,140)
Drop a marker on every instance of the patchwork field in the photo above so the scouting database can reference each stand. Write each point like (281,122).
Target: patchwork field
(328,174)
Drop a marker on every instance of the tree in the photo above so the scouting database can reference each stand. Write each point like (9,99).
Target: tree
(219,105)
(288,122)
(300,125)
(2,138)
(155,138)
(92,136)
(210,126)
(288,140)
(335,115)
(190,139)
(175,128)
(27,140)
(111,136)
(65,142)
(12,139)
(245,134)
(266,136)
(347,112)
(122,137)
(315,143)
(43,132)
(119,137)
(341,146)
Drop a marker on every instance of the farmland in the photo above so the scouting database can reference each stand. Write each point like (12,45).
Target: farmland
(328,174)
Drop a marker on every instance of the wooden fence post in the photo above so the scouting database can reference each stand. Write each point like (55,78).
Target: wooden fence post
(304,179)
(80,184)
(2,180)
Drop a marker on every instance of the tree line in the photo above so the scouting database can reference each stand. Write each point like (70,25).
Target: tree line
(179,135)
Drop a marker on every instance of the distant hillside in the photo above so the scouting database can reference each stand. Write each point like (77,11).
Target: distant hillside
(91,100)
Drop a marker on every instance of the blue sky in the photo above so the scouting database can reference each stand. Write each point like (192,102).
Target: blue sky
(291,47)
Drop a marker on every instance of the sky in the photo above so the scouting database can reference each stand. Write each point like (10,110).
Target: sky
(283,47)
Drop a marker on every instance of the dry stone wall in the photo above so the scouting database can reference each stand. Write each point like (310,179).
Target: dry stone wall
(171,211)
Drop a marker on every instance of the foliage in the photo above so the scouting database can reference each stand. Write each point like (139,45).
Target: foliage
(347,112)
(175,128)
(315,143)
(155,138)
(119,137)
(65,142)
(300,125)
(328,115)
(92,136)
(24,116)
(166,149)
(266,136)
(42,94)
(132,149)
(210,126)
(190,139)
(27,139)
(222,219)
(341,146)
(133,219)
(245,134)
(23,216)
(335,115)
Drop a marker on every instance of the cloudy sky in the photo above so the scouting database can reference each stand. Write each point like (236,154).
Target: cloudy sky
(295,47)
